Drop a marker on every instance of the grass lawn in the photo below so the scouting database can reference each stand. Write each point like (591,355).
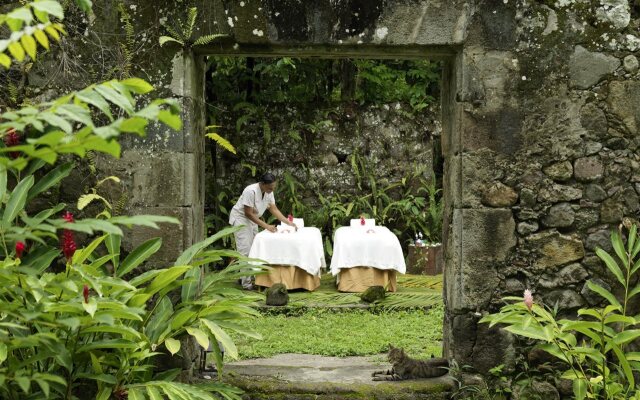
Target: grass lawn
(313,328)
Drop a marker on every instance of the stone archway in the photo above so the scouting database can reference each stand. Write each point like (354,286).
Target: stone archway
(435,31)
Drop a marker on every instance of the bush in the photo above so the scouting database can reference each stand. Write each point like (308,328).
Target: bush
(594,348)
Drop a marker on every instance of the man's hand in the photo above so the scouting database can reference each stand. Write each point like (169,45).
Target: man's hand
(271,228)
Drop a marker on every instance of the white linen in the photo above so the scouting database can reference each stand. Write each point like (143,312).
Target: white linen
(363,246)
(302,249)
(299,224)
(354,223)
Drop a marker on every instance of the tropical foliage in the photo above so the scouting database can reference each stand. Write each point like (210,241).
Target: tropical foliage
(83,319)
(595,349)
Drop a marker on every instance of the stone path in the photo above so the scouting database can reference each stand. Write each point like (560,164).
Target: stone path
(300,376)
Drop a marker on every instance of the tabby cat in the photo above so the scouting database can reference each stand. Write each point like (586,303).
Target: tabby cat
(405,367)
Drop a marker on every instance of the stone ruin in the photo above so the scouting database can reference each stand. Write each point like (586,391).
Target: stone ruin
(540,118)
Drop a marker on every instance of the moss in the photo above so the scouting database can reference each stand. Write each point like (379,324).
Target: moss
(272,388)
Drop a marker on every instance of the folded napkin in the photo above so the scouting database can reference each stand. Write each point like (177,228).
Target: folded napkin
(358,222)
(285,228)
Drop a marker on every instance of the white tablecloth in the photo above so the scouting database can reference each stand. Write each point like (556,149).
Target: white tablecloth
(374,246)
(302,249)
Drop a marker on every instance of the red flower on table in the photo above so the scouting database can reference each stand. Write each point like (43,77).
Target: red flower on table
(290,218)
(362,221)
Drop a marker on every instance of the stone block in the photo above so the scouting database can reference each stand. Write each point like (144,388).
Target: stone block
(526,228)
(588,68)
(488,234)
(624,103)
(552,249)
(569,275)
(594,193)
(611,211)
(560,215)
(499,195)
(556,193)
(163,179)
(630,64)
(562,171)
(498,131)
(600,239)
(588,168)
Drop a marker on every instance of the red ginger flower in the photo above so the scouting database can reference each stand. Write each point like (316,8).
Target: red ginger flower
(20,246)
(290,218)
(68,245)
(85,293)
(362,222)
(12,138)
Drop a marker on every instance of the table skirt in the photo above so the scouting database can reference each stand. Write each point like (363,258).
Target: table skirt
(358,279)
(292,276)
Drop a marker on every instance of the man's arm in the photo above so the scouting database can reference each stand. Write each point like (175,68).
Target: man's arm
(248,212)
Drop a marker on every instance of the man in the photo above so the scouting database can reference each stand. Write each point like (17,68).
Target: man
(253,202)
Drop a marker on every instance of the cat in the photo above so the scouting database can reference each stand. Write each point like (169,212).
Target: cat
(405,367)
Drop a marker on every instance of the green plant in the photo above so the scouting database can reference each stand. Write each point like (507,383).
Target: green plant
(182,33)
(30,25)
(592,348)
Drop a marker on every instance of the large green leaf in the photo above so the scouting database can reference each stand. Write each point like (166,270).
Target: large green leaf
(222,337)
(3,182)
(604,293)
(579,388)
(190,288)
(50,179)
(172,345)
(167,277)
(144,220)
(611,264)
(16,201)
(113,246)
(139,255)
(51,7)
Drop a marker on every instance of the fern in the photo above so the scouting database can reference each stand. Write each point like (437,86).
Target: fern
(202,40)
(129,43)
(182,34)
(191,22)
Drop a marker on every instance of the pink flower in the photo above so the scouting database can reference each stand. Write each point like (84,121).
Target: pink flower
(85,293)
(20,246)
(68,244)
(528,299)
(362,222)
(290,218)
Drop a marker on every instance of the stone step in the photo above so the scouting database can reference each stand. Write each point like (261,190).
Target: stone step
(300,377)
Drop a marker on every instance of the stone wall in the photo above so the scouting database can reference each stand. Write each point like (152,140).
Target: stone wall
(391,139)
(540,130)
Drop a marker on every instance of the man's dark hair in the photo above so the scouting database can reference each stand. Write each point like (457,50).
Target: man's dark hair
(267,178)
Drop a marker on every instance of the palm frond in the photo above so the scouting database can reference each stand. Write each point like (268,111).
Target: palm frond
(420,281)
(410,300)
